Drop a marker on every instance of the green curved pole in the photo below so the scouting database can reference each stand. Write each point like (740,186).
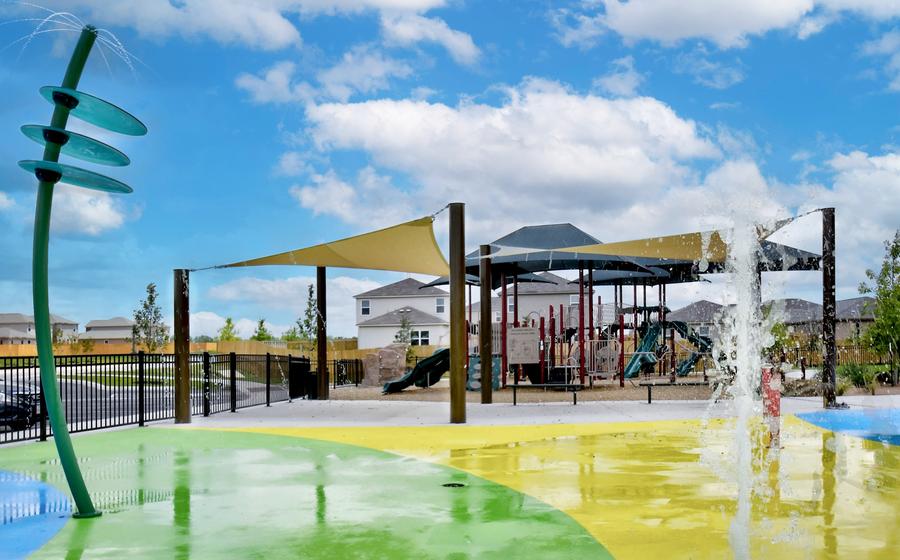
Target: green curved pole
(43,331)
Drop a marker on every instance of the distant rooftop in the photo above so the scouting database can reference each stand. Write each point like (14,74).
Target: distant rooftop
(702,311)
(22,319)
(120,322)
(395,318)
(408,287)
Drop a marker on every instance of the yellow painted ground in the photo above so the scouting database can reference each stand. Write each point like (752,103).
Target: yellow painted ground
(650,489)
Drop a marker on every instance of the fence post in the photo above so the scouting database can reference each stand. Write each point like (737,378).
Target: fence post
(206,388)
(42,411)
(232,367)
(141,388)
(268,379)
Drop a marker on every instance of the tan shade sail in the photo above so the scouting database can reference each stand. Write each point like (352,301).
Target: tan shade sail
(408,247)
(681,247)
(694,246)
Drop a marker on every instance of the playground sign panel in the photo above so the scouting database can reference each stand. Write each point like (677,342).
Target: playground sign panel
(523,345)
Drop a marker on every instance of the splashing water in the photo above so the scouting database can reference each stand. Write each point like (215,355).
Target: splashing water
(61,22)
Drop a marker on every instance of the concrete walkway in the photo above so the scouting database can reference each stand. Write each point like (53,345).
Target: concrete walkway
(301,413)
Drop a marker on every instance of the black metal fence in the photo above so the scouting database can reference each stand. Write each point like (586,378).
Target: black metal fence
(105,391)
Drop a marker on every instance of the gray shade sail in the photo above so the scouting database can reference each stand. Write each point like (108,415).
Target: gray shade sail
(472,280)
(534,249)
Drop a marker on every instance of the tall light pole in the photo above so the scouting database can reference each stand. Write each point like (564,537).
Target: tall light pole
(56,139)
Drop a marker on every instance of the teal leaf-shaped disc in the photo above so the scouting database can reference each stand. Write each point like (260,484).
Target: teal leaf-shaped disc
(76,176)
(95,110)
(77,145)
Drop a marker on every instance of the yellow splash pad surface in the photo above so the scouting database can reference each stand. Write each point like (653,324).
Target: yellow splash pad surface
(664,489)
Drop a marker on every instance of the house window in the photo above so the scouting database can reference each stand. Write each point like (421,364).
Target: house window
(496,316)
(439,305)
(703,330)
(573,299)
(511,306)
(364,308)
(418,338)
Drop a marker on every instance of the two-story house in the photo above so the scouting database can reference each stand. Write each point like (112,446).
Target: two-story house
(535,300)
(17,328)
(381,312)
(117,330)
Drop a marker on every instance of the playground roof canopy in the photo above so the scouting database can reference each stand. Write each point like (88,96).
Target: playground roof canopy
(407,247)
(537,249)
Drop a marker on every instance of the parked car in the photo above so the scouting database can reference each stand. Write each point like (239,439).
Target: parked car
(19,407)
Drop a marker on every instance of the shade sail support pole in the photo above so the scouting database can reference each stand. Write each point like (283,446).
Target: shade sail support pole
(321,335)
(457,313)
(182,340)
(828,309)
(485,330)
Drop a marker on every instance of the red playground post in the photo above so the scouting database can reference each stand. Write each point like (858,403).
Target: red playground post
(504,366)
(621,350)
(771,389)
(541,357)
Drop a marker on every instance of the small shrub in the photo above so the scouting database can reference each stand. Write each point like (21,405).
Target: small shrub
(853,373)
(842,386)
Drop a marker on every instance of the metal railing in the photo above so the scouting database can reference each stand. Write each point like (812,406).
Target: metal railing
(106,391)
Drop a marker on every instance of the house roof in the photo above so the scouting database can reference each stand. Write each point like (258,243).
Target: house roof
(408,287)
(6,332)
(855,309)
(795,310)
(120,322)
(22,319)
(107,334)
(702,311)
(395,318)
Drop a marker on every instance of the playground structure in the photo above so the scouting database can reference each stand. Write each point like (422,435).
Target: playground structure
(590,341)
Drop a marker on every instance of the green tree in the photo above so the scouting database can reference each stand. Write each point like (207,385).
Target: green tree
(291,334)
(149,329)
(403,335)
(307,324)
(227,332)
(884,333)
(262,333)
(204,338)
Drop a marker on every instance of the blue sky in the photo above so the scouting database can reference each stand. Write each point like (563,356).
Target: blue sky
(278,124)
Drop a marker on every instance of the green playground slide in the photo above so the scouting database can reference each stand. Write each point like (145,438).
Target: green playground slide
(426,373)
(646,353)
(703,343)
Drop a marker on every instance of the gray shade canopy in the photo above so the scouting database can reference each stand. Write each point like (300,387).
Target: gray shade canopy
(472,280)
(542,243)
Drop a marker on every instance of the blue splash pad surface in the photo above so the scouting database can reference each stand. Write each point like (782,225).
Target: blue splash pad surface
(879,424)
(31,512)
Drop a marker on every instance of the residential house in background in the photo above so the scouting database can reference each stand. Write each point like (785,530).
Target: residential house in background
(380,313)
(702,316)
(17,328)
(117,330)
(535,299)
(854,316)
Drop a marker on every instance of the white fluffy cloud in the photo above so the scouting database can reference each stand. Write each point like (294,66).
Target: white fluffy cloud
(888,47)
(727,23)
(706,71)
(545,154)
(262,24)
(363,70)
(208,323)
(623,80)
(409,29)
(84,211)
(275,85)
(373,194)
(6,201)
(290,293)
